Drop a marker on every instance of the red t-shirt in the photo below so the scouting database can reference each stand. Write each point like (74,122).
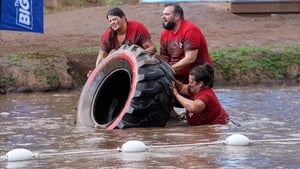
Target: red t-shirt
(136,33)
(188,37)
(213,113)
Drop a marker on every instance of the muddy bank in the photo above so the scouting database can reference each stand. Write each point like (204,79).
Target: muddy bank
(32,72)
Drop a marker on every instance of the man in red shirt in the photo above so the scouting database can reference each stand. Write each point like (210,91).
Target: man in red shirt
(202,106)
(182,43)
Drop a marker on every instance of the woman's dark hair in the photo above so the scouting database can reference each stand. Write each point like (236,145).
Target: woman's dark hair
(204,73)
(177,9)
(114,12)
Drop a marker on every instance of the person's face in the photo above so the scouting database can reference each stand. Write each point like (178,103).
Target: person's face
(115,22)
(168,18)
(193,85)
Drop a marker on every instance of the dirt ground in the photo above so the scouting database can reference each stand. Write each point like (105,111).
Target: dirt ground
(81,28)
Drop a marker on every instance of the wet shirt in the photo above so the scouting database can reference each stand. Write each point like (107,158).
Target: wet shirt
(188,37)
(136,33)
(213,113)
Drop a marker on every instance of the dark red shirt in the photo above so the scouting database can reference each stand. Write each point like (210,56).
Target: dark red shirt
(188,37)
(136,33)
(213,112)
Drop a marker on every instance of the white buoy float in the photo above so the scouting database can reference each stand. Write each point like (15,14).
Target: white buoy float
(237,140)
(133,146)
(18,154)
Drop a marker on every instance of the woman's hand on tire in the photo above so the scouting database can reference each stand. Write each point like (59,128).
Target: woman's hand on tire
(89,73)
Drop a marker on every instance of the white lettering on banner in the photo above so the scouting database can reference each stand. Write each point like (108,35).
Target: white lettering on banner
(24,13)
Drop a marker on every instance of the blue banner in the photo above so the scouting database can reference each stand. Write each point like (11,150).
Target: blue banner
(212,0)
(22,15)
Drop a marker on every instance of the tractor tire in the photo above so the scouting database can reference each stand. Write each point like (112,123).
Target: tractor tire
(129,88)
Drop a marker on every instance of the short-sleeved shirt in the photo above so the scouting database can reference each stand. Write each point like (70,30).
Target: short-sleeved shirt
(213,112)
(136,33)
(188,37)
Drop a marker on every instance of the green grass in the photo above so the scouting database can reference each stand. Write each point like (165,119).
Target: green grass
(237,66)
(92,49)
(266,61)
(45,66)
(112,2)
(7,81)
(15,59)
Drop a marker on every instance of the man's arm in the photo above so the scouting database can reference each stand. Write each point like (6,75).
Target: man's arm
(149,46)
(190,57)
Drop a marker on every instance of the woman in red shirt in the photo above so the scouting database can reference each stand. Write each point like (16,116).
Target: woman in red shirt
(202,106)
(121,31)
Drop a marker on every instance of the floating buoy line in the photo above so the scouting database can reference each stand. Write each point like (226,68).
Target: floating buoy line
(135,146)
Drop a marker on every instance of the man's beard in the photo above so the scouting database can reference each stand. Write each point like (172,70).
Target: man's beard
(169,25)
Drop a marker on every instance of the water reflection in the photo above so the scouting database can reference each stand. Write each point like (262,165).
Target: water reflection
(44,123)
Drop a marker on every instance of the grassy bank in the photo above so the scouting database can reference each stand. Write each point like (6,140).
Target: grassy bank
(248,65)
(67,69)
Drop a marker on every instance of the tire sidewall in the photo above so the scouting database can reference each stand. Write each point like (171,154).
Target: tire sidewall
(117,61)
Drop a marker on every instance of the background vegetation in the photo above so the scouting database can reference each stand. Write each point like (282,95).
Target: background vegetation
(59,5)
(246,65)
(241,66)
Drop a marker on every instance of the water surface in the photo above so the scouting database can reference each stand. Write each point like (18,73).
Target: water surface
(44,123)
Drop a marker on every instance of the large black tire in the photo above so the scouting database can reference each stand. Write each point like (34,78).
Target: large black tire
(129,88)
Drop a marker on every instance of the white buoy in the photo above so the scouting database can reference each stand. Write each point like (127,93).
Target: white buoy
(18,154)
(4,114)
(237,140)
(133,146)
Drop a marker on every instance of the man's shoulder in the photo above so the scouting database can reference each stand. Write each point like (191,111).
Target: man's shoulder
(189,25)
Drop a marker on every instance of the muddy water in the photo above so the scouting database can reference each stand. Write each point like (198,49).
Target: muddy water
(44,123)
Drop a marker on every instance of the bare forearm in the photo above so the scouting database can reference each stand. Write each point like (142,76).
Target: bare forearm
(188,104)
(182,88)
(101,56)
(189,58)
(182,64)
(151,49)
(149,46)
